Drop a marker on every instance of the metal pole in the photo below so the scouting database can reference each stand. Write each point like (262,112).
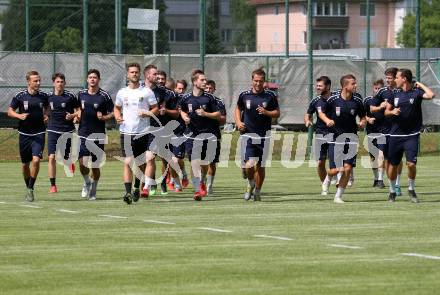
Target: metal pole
(27,20)
(202,10)
(365,77)
(368,29)
(169,65)
(85,40)
(286,8)
(54,62)
(418,40)
(118,26)
(310,64)
(154,33)
(267,68)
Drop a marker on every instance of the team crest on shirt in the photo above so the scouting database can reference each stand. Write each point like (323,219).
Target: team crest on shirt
(352,111)
(51,105)
(264,104)
(190,107)
(63,105)
(41,105)
(411,100)
(396,101)
(204,107)
(82,104)
(95,105)
(25,105)
(248,104)
(141,99)
(338,111)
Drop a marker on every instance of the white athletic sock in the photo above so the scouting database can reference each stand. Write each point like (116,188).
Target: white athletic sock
(148,182)
(326,180)
(196,183)
(380,174)
(339,175)
(87,179)
(393,186)
(398,180)
(375,173)
(210,180)
(251,182)
(339,192)
(411,184)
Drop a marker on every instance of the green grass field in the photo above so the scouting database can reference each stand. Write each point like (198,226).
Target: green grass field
(293,242)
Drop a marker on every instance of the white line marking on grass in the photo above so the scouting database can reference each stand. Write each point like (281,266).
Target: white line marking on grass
(67,211)
(114,216)
(421,256)
(159,222)
(273,237)
(345,246)
(218,230)
(2,202)
(31,206)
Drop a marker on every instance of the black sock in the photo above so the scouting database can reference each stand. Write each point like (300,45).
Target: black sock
(52,181)
(31,182)
(26,181)
(127,187)
(137,183)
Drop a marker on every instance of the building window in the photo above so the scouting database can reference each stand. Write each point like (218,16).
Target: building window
(305,37)
(225,8)
(277,9)
(364,9)
(330,8)
(172,35)
(183,35)
(226,36)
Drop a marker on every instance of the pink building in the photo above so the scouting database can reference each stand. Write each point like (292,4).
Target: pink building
(336,24)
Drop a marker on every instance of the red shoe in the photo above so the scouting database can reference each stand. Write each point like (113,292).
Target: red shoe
(53,189)
(145,193)
(178,190)
(185,182)
(72,168)
(170,186)
(203,191)
(197,196)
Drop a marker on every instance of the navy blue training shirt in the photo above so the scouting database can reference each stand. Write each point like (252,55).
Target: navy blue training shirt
(385,94)
(378,116)
(90,105)
(316,106)
(344,112)
(222,109)
(198,124)
(34,106)
(410,120)
(248,102)
(59,106)
(165,98)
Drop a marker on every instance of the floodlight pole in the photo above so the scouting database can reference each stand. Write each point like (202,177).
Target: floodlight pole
(310,63)
(85,40)
(202,20)
(27,12)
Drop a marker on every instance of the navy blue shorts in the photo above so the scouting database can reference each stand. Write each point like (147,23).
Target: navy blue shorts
(31,146)
(255,150)
(373,142)
(337,152)
(98,152)
(400,144)
(134,145)
(52,139)
(202,149)
(178,150)
(320,147)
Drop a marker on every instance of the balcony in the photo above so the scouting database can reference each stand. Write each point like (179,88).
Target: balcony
(330,22)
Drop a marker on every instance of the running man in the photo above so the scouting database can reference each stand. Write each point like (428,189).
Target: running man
(406,113)
(210,88)
(320,145)
(64,108)
(199,111)
(32,112)
(253,116)
(96,108)
(343,108)
(133,108)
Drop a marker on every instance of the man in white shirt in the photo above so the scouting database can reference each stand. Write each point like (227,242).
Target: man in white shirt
(133,108)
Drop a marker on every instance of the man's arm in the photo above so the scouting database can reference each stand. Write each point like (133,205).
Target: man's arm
(272,114)
(13,114)
(389,111)
(308,120)
(237,118)
(429,94)
(117,111)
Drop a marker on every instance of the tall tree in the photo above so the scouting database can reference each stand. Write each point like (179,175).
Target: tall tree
(213,42)
(429,26)
(244,16)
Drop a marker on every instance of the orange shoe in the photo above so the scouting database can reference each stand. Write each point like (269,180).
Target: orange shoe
(170,186)
(53,189)
(203,191)
(185,182)
(178,189)
(197,196)
(145,193)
